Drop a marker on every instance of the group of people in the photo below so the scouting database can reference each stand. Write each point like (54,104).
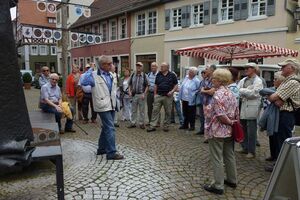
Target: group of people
(222,100)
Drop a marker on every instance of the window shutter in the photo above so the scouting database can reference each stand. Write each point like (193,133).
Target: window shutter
(215,12)
(206,18)
(271,8)
(244,9)
(167,19)
(237,10)
(185,12)
(188,15)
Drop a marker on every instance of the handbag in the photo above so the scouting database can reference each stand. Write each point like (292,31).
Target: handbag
(79,94)
(238,132)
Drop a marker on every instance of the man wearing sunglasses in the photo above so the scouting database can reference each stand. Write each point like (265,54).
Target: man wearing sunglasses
(51,102)
(45,76)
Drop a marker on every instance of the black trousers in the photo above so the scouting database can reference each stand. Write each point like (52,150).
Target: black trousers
(189,114)
(86,101)
(285,128)
(273,147)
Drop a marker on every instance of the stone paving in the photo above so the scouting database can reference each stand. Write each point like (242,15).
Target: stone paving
(159,165)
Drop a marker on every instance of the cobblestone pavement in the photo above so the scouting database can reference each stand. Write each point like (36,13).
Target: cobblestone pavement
(158,165)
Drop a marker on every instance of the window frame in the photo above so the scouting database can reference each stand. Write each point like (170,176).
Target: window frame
(154,26)
(55,51)
(258,9)
(111,30)
(178,17)
(40,50)
(121,34)
(31,50)
(198,14)
(137,24)
(104,39)
(227,11)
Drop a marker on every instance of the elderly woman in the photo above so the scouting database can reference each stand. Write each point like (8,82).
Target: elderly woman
(221,114)
(125,98)
(187,94)
(71,87)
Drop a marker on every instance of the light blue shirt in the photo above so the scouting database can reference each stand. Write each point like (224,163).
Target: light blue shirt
(52,93)
(107,77)
(85,88)
(43,80)
(188,90)
(151,78)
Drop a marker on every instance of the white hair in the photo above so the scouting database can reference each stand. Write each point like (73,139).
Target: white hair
(193,69)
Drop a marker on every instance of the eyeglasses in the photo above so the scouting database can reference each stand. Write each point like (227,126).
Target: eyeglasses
(47,70)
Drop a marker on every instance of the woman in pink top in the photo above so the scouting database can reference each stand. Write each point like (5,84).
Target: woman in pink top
(220,115)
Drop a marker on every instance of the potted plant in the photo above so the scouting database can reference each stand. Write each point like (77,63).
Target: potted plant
(27,79)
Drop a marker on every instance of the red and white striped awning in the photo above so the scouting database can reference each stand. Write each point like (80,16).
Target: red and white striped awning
(235,50)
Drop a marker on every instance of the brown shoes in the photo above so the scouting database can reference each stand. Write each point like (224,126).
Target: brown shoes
(142,126)
(117,156)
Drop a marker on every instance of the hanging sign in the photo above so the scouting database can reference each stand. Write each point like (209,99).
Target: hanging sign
(90,39)
(98,39)
(87,12)
(78,11)
(47,34)
(51,7)
(27,31)
(37,33)
(57,34)
(41,6)
(74,37)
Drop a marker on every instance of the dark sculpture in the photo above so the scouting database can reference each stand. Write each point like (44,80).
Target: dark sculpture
(15,128)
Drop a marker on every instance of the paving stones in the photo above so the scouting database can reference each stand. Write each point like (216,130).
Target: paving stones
(159,165)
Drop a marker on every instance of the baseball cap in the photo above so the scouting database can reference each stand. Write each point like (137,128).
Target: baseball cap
(140,64)
(251,64)
(291,61)
(87,66)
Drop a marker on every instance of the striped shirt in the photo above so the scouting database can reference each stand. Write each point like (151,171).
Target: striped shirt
(289,89)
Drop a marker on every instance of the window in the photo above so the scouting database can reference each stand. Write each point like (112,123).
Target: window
(141,24)
(43,50)
(58,16)
(197,14)
(176,18)
(53,50)
(51,20)
(258,8)
(152,22)
(123,28)
(226,10)
(113,30)
(104,31)
(34,50)
(95,28)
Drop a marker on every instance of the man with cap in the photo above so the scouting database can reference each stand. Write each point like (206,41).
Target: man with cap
(249,88)
(138,88)
(287,97)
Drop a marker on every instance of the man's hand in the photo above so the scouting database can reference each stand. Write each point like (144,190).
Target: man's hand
(170,93)
(279,103)
(58,108)
(143,96)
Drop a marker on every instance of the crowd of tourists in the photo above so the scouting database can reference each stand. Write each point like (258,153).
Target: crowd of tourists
(219,97)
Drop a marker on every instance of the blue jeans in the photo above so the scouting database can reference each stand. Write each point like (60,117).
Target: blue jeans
(49,109)
(107,141)
(177,106)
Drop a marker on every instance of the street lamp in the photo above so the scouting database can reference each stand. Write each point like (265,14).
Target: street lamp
(297,15)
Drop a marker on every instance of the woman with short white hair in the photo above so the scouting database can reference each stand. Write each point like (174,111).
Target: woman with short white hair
(220,116)
(187,94)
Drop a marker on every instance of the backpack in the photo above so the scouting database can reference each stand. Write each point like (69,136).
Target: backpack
(296,111)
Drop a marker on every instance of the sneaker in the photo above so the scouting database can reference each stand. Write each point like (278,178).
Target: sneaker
(151,129)
(116,125)
(269,168)
(250,155)
(131,126)
(212,189)
(232,185)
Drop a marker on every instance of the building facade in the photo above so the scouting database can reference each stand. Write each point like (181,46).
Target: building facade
(192,22)
(35,52)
